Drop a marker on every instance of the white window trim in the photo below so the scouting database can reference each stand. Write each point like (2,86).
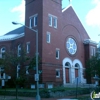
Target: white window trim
(19,48)
(32,18)
(55,22)
(30,23)
(50,20)
(27,47)
(58,73)
(50,86)
(58,53)
(18,68)
(2,52)
(35,21)
(92,51)
(3,76)
(51,24)
(48,37)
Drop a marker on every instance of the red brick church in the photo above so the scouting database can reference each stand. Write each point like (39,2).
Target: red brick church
(64,44)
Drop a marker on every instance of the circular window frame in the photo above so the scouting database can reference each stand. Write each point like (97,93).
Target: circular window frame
(72,44)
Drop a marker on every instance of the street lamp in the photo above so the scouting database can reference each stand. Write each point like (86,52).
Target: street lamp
(37,74)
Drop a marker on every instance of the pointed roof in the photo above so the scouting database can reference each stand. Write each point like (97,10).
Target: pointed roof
(66,8)
(13,35)
(70,17)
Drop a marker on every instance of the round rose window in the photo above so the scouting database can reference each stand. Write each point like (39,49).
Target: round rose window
(71,46)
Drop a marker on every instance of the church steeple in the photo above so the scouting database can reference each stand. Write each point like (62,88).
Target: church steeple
(70,1)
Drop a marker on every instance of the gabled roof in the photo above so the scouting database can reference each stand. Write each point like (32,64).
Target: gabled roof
(69,13)
(66,8)
(16,31)
(13,35)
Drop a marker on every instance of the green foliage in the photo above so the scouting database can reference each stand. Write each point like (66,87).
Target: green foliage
(93,66)
(11,59)
(32,64)
(20,81)
(4,62)
(45,93)
(14,59)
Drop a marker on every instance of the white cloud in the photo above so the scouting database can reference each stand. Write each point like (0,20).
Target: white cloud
(95,1)
(21,9)
(93,16)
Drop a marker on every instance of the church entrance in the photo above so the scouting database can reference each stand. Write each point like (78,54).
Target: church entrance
(76,73)
(72,70)
(67,75)
(77,66)
(67,72)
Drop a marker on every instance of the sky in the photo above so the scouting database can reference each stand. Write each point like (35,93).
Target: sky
(88,11)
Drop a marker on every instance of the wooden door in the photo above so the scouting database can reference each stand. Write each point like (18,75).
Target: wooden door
(67,75)
(76,73)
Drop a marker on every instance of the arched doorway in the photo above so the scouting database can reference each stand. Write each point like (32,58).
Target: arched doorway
(67,72)
(77,70)
(71,70)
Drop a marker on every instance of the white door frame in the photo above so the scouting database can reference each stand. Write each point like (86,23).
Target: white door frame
(72,70)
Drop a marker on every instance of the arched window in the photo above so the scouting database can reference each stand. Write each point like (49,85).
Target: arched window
(77,65)
(19,50)
(77,70)
(3,50)
(67,64)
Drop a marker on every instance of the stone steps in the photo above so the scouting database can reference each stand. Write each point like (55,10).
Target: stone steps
(79,85)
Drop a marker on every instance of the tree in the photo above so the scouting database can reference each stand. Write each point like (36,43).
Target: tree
(14,62)
(93,66)
(32,64)
(3,67)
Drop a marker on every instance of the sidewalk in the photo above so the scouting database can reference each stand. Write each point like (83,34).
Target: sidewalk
(32,98)
(24,98)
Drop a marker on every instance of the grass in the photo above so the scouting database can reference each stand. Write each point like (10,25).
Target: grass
(27,92)
(34,90)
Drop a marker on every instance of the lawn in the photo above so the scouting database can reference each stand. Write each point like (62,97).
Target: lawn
(44,93)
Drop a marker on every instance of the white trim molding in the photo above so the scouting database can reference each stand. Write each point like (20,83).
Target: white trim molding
(72,68)
(80,70)
(64,74)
